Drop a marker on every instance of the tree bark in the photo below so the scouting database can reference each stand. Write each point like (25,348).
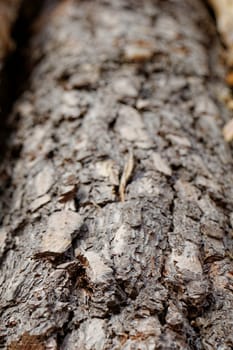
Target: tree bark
(117,210)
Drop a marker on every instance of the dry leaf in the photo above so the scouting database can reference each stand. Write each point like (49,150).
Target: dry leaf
(127,172)
(228,131)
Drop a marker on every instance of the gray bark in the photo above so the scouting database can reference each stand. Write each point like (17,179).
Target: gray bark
(117,208)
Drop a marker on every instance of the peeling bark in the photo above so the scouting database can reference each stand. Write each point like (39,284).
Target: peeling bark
(81,268)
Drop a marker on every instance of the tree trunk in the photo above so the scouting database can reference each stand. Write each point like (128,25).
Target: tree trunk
(117,207)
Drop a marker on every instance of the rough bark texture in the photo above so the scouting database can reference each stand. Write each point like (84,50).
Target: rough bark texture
(117,209)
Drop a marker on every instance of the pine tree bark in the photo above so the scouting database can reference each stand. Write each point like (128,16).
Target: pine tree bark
(117,210)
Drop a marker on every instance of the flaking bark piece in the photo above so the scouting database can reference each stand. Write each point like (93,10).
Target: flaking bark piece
(69,195)
(40,202)
(161,165)
(44,180)
(138,51)
(127,172)
(62,226)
